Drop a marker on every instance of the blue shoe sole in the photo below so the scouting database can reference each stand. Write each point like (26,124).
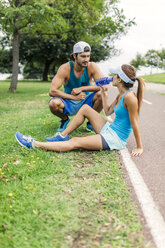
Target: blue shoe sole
(21,143)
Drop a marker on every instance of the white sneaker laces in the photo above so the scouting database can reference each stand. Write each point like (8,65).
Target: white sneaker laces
(58,133)
(28,139)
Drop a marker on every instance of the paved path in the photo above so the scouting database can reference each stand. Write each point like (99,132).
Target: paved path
(151,165)
(153,87)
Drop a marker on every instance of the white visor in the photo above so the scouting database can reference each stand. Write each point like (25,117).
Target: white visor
(122,75)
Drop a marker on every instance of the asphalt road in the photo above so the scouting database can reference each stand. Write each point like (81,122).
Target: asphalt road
(151,164)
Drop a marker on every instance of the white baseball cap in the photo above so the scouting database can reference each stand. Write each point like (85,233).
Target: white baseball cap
(80,47)
(122,75)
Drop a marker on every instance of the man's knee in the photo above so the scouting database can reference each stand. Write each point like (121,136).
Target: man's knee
(56,105)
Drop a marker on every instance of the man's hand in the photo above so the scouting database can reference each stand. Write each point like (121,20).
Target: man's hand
(80,96)
(76,91)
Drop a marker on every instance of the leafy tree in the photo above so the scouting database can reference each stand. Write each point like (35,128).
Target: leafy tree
(18,16)
(87,20)
(33,70)
(42,52)
(5,61)
(161,54)
(152,58)
(94,21)
(138,61)
(49,53)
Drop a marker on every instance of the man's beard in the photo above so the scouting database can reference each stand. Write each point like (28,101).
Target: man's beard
(81,65)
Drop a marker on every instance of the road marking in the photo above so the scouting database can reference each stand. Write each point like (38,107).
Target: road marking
(147,101)
(153,217)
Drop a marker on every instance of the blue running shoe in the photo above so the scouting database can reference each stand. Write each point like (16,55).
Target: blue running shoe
(57,137)
(63,125)
(89,127)
(25,141)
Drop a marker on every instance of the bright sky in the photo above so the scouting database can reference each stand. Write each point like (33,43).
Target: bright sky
(149,33)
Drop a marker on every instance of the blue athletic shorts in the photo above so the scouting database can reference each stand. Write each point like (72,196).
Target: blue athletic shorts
(111,138)
(72,107)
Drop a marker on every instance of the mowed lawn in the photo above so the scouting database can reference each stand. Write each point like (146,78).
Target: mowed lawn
(47,200)
(155,78)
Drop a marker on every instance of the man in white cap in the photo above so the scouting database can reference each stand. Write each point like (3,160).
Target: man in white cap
(76,76)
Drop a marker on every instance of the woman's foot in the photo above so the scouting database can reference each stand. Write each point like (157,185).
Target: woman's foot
(57,137)
(25,141)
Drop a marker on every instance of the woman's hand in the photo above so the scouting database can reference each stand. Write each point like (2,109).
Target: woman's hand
(137,152)
(103,88)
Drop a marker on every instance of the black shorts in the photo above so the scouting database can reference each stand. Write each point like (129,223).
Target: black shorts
(104,144)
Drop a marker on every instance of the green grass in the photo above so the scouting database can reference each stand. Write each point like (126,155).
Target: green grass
(155,78)
(58,200)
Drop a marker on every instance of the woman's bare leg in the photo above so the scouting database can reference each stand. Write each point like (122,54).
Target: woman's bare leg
(96,120)
(93,142)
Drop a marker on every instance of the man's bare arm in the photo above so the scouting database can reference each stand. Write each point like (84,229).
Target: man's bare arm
(61,76)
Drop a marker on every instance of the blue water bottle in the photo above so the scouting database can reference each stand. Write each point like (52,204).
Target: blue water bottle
(103,81)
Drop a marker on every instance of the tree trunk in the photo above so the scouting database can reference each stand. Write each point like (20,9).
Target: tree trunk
(46,70)
(13,85)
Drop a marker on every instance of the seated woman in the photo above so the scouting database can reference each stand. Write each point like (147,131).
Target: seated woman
(109,136)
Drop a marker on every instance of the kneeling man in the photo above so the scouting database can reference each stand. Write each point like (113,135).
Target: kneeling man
(76,76)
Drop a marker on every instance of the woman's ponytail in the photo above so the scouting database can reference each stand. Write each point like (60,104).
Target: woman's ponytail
(140,92)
